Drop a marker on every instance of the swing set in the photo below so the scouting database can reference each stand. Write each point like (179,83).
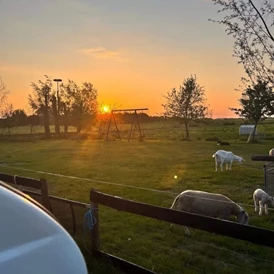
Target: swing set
(134,124)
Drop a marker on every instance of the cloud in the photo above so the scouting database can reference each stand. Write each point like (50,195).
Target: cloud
(103,53)
(20,69)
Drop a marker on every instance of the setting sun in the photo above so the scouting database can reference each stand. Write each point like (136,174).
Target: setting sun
(105,109)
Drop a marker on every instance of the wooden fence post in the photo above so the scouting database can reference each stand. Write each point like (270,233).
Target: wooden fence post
(45,194)
(94,233)
(95,239)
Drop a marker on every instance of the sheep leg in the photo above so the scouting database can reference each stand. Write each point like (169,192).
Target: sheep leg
(266,209)
(186,230)
(261,208)
(216,164)
(255,203)
(226,166)
(221,166)
(230,165)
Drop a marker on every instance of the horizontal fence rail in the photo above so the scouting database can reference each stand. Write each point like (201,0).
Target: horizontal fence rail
(226,228)
(59,199)
(23,181)
(41,185)
(72,224)
(256,157)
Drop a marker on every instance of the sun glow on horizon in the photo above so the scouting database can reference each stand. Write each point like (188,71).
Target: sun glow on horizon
(105,109)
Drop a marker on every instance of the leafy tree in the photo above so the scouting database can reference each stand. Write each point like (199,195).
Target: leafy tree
(33,120)
(256,104)
(80,103)
(4,92)
(249,23)
(187,103)
(20,117)
(39,101)
(8,120)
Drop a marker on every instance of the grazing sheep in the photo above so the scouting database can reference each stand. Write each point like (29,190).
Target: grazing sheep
(222,143)
(262,199)
(227,157)
(210,205)
(271,152)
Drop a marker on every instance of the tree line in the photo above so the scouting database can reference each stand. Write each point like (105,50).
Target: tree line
(73,105)
(249,24)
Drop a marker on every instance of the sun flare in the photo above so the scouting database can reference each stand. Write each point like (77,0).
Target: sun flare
(105,109)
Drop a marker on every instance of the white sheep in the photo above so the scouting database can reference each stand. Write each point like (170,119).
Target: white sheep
(262,199)
(210,205)
(271,152)
(227,157)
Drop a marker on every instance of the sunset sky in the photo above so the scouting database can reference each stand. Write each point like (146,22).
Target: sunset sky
(133,51)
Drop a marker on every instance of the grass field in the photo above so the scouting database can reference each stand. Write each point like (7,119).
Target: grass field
(152,164)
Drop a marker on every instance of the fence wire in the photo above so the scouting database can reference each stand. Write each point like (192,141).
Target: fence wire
(157,246)
(163,248)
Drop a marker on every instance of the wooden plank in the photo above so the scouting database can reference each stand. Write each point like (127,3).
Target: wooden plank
(28,182)
(267,158)
(23,181)
(129,109)
(20,193)
(59,199)
(226,228)
(7,178)
(125,266)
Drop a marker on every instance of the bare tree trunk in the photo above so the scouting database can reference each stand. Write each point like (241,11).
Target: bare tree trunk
(56,117)
(31,128)
(79,129)
(187,131)
(46,117)
(65,119)
(251,138)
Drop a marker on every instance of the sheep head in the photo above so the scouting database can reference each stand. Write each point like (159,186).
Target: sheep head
(272,200)
(243,217)
(240,160)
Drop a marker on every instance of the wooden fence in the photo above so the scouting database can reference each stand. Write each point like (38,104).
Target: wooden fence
(38,190)
(248,233)
(29,183)
(226,228)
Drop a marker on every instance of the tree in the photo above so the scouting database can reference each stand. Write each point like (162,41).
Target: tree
(4,92)
(256,104)
(80,103)
(187,103)
(20,117)
(39,101)
(6,113)
(249,24)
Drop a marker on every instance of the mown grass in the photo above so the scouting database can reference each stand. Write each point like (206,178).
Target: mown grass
(152,164)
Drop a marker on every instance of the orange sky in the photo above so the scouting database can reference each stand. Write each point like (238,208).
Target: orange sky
(132,58)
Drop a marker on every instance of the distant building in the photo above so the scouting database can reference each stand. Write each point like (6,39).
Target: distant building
(246,129)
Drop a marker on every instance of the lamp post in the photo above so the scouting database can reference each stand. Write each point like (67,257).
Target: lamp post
(58,103)
(57,125)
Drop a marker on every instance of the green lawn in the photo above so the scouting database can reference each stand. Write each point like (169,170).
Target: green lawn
(152,164)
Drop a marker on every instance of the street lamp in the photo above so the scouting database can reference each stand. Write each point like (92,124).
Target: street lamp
(57,81)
